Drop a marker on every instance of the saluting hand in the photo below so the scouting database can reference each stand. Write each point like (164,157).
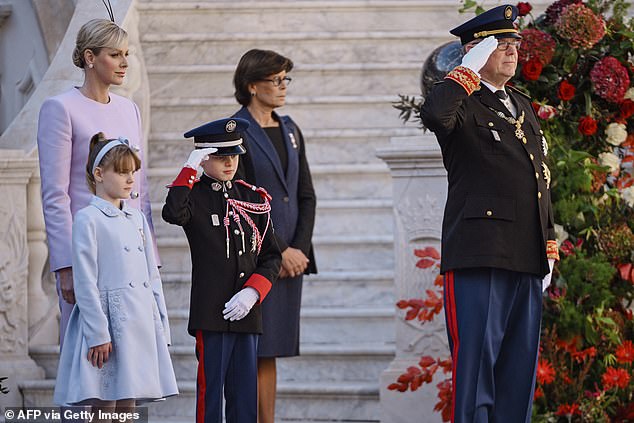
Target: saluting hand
(198,156)
(478,55)
(99,355)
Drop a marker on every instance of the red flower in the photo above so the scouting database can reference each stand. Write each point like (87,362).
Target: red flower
(627,108)
(613,378)
(539,393)
(566,90)
(536,44)
(625,352)
(545,372)
(524,8)
(532,69)
(610,79)
(568,410)
(587,126)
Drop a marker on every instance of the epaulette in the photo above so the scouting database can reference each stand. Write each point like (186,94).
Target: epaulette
(517,90)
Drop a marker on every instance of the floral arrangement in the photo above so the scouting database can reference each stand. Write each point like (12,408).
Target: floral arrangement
(577,63)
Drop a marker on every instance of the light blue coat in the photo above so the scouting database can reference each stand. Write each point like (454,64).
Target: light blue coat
(120,300)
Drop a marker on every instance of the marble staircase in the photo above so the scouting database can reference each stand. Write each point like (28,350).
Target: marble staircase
(352,58)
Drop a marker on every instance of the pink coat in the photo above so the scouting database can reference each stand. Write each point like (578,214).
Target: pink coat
(66,124)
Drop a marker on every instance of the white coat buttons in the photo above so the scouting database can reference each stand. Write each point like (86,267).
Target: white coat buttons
(240,252)
(146,284)
(241,274)
(126,248)
(237,232)
(131,284)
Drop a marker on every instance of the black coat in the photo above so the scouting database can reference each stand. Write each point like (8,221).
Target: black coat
(498,211)
(216,278)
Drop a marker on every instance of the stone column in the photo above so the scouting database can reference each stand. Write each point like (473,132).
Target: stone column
(419,193)
(15,364)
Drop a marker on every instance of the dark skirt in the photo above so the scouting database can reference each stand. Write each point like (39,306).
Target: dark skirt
(280,319)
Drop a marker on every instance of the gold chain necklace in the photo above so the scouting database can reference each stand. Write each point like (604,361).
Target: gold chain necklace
(519,132)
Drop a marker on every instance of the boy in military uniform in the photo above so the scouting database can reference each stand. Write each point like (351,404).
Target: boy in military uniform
(235,260)
(498,239)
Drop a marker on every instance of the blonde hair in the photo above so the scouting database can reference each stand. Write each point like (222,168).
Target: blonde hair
(121,158)
(95,35)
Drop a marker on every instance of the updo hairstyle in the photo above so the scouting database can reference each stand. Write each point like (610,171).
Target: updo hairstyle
(95,35)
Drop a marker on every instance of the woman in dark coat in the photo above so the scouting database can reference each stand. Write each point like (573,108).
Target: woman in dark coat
(276,160)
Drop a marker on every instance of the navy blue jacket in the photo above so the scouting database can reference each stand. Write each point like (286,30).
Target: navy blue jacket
(293,205)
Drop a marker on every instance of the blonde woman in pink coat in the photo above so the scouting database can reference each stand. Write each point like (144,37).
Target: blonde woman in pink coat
(66,124)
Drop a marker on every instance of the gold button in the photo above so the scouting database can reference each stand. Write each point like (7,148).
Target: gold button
(536,175)
(524,140)
(532,157)
(489,213)
(490,123)
(539,195)
(541,132)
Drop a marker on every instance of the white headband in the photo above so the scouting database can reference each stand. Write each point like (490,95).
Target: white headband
(111,144)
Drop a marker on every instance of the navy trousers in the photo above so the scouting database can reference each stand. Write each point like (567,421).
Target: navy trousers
(493,323)
(227,362)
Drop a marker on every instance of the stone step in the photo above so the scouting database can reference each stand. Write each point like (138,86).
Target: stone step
(325,289)
(326,362)
(299,16)
(353,181)
(334,112)
(334,363)
(319,325)
(308,80)
(329,46)
(323,401)
(334,217)
(323,146)
(334,253)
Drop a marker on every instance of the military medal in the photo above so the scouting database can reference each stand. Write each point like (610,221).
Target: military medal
(293,142)
(546,173)
(254,243)
(519,132)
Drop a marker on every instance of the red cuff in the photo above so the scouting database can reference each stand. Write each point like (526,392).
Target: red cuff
(186,178)
(260,284)
(552,251)
(465,77)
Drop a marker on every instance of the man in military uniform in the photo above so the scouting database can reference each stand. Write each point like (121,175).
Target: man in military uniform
(235,260)
(498,241)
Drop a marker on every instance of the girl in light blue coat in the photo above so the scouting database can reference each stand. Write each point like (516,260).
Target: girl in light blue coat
(115,351)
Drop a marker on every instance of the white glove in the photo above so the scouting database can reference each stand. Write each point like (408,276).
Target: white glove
(548,277)
(240,304)
(478,56)
(198,156)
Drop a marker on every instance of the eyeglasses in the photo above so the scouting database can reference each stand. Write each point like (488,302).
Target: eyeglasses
(277,81)
(504,45)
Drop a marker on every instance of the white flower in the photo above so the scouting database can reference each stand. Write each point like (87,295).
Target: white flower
(628,195)
(629,94)
(560,234)
(616,133)
(610,160)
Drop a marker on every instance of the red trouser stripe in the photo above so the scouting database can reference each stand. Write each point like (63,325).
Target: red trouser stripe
(202,386)
(452,322)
